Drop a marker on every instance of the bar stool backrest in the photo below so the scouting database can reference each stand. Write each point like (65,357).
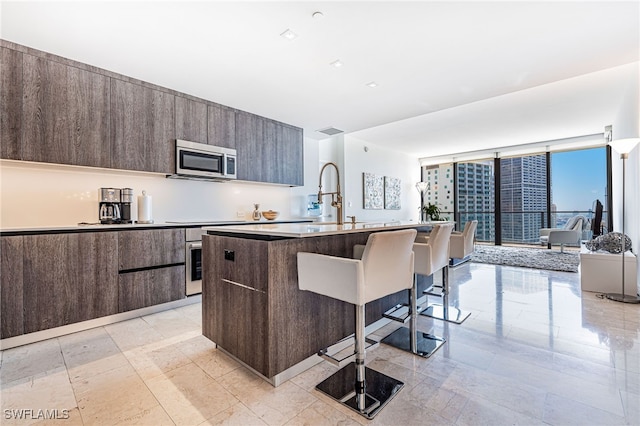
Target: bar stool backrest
(439,242)
(388,263)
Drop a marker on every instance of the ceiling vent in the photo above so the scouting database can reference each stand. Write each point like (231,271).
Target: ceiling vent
(330,131)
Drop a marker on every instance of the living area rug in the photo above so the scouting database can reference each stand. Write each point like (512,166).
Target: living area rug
(527,257)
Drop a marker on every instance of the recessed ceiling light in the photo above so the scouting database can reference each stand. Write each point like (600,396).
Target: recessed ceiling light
(372,84)
(336,63)
(318,15)
(289,35)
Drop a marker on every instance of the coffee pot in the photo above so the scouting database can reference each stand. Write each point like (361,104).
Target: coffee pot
(109,208)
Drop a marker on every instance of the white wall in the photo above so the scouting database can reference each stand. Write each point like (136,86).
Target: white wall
(627,125)
(383,162)
(43,195)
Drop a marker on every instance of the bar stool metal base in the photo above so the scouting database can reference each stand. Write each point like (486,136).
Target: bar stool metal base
(380,389)
(446,313)
(624,298)
(426,344)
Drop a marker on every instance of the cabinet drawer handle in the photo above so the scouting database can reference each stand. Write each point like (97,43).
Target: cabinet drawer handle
(243,286)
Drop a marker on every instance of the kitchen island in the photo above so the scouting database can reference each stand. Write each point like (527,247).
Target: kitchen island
(252,307)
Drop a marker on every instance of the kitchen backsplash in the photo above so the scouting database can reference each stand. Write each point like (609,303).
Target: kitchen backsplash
(42,195)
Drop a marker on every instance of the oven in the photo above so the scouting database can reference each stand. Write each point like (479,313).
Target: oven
(193,258)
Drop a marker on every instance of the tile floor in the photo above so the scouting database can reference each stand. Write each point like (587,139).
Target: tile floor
(534,351)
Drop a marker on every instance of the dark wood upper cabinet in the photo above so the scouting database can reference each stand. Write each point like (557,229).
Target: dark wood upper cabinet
(191,120)
(221,126)
(249,138)
(56,110)
(290,155)
(65,114)
(142,128)
(268,151)
(11,106)
(269,156)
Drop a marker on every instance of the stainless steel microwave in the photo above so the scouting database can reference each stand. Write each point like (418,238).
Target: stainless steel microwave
(202,161)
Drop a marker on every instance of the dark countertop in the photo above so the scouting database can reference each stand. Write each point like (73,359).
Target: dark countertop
(6,232)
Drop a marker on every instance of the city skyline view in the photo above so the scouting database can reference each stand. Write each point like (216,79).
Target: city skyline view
(578,178)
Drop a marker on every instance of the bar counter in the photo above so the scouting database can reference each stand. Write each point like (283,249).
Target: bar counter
(252,307)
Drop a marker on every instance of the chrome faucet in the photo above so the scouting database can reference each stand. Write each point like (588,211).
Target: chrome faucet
(336,197)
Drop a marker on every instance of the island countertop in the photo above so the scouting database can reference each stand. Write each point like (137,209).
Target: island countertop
(316,229)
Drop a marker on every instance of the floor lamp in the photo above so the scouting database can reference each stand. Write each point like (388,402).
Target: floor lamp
(421,187)
(624,147)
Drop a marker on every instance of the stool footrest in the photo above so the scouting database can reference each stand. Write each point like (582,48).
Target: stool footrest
(340,362)
(434,290)
(400,313)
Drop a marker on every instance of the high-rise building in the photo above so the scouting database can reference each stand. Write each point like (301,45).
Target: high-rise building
(440,192)
(523,193)
(476,199)
(475,196)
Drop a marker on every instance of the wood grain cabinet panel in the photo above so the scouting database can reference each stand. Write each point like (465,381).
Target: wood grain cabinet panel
(11,290)
(191,120)
(221,126)
(143,129)
(11,105)
(236,315)
(65,114)
(249,146)
(150,247)
(150,287)
(290,155)
(269,163)
(268,151)
(69,278)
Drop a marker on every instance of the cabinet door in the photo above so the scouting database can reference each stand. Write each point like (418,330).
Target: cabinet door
(142,128)
(269,163)
(150,247)
(69,278)
(65,114)
(11,290)
(11,106)
(289,155)
(191,120)
(236,316)
(249,139)
(151,287)
(221,126)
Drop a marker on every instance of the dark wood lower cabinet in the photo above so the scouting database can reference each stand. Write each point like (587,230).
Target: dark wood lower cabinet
(53,280)
(150,287)
(11,292)
(69,278)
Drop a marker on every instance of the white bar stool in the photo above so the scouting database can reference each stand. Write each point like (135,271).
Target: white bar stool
(429,258)
(386,267)
(460,246)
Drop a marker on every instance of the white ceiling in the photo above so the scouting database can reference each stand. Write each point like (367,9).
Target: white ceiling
(452,76)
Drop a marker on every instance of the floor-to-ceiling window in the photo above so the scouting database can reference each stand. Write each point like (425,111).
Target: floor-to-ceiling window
(578,179)
(513,197)
(523,197)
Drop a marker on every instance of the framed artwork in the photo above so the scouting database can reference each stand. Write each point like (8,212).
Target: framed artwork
(392,193)
(372,191)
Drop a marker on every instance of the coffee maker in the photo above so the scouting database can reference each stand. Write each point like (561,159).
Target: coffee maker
(109,209)
(126,198)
